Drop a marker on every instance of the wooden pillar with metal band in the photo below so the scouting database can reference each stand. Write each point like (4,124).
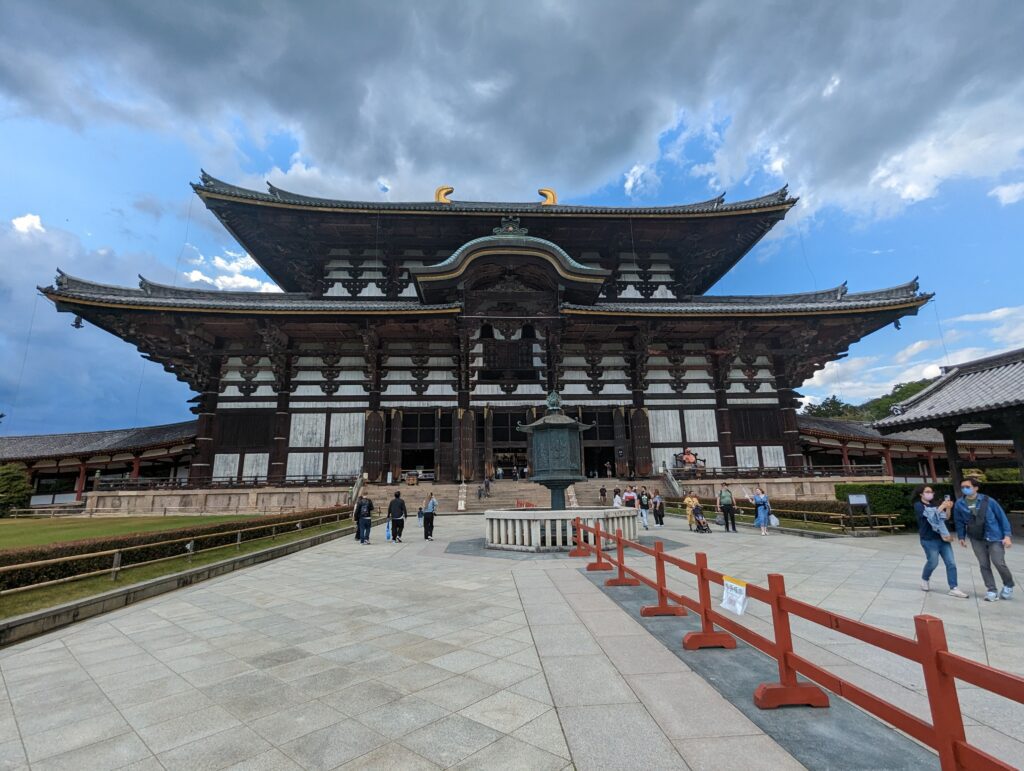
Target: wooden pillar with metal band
(720,367)
(83,471)
(790,430)
(846,455)
(201,469)
(890,470)
(488,442)
(395,450)
(277,468)
(623,450)
(136,462)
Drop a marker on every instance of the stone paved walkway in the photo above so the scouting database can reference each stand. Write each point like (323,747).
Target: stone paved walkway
(410,656)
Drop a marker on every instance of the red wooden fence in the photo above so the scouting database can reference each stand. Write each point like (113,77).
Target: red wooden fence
(945,734)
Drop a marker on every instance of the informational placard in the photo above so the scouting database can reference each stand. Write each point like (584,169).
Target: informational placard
(857,500)
(734,595)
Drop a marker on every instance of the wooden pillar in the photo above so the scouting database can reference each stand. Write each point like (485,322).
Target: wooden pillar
(136,460)
(1015,426)
(278,467)
(623,459)
(890,470)
(846,456)
(790,429)
(488,442)
(720,374)
(80,482)
(640,435)
(952,456)
(201,469)
(396,445)
(933,475)
(374,451)
(467,444)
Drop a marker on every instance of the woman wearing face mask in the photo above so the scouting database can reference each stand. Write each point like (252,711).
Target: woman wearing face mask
(935,538)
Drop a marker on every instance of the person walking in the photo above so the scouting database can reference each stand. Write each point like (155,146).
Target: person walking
(629,497)
(659,509)
(429,510)
(643,504)
(762,509)
(608,469)
(397,513)
(980,519)
(487,487)
(689,502)
(727,507)
(617,498)
(364,517)
(935,538)
(603,492)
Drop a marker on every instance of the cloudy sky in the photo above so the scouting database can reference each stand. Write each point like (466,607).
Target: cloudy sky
(900,126)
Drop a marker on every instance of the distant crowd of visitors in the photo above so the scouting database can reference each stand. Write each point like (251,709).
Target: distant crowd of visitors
(397,514)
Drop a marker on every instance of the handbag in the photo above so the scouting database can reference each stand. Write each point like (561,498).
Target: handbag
(720,520)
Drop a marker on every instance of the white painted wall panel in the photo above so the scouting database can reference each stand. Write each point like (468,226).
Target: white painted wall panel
(308,429)
(225,464)
(347,429)
(746,457)
(773,455)
(344,463)
(665,427)
(663,457)
(255,465)
(700,425)
(711,456)
(305,464)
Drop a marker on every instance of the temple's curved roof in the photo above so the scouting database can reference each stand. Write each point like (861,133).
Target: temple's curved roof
(210,185)
(88,443)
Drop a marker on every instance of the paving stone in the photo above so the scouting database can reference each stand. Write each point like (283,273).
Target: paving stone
(271,760)
(214,752)
(363,697)
(545,732)
(457,692)
(509,753)
(505,711)
(73,736)
(331,746)
(564,640)
(585,680)
(402,716)
(12,755)
(285,725)
(617,736)
(175,732)
(502,673)
(461,661)
(450,740)
(535,688)
(150,713)
(390,756)
(744,753)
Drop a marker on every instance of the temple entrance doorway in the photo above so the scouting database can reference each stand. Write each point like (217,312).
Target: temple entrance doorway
(509,458)
(594,459)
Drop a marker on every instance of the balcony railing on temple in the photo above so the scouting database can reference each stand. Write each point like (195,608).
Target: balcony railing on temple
(760,472)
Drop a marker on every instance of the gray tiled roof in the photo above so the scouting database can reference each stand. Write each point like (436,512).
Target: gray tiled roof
(855,429)
(95,442)
(977,387)
(277,195)
(151,294)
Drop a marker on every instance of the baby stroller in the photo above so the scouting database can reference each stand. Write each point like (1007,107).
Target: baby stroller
(700,521)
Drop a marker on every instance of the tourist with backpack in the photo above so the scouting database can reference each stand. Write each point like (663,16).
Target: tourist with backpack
(397,513)
(364,518)
(981,520)
(727,507)
(935,538)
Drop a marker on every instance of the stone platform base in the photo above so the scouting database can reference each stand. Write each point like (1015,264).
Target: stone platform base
(537,530)
(270,500)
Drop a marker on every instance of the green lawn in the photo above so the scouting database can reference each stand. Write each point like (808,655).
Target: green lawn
(36,599)
(36,532)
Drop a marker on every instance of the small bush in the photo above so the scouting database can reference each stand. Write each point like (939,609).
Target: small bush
(156,546)
(898,498)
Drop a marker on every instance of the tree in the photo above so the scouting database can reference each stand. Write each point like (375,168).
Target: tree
(15,490)
(832,407)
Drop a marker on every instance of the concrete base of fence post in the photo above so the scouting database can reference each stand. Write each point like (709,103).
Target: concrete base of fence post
(662,610)
(775,695)
(694,641)
(599,566)
(581,549)
(622,582)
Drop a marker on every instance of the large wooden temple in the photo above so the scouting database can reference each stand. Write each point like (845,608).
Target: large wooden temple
(418,335)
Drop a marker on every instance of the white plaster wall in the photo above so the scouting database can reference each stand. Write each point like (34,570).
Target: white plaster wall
(665,427)
(255,465)
(225,464)
(711,456)
(700,426)
(309,464)
(347,429)
(773,455)
(746,457)
(344,463)
(308,429)
(663,456)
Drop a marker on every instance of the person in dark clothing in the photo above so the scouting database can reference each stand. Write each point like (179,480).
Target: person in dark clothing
(429,510)
(727,506)
(981,520)
(935,538)
(397,513)
(364,516)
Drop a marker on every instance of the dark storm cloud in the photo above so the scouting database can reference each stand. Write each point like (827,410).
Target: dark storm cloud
(858,103)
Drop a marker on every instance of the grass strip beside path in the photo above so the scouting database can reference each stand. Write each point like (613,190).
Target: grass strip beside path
(795,524)
(32,600)
(15,533)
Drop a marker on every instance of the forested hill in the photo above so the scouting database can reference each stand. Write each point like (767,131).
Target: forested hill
(871,410)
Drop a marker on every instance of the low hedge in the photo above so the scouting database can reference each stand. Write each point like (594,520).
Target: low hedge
(782,507)
(898,497)
(155,544)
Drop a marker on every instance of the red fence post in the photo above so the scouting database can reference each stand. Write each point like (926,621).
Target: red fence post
(707,637)
(662,608)
(599,563)
(581,547)
(787,692)
(947,720)
(621,579)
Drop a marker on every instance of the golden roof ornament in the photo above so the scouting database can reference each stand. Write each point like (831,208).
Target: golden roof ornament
(550,197)
(442,193)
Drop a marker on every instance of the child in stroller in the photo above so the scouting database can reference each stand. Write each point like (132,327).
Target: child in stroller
(699,520)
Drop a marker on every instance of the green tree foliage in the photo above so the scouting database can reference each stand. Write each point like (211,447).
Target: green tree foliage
(871,410)
(15,490)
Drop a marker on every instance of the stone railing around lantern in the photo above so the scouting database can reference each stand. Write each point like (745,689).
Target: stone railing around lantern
(536,529)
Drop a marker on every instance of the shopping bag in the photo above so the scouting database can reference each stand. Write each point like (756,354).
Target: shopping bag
(773,520)
(734,595)
(387,531)
(720,520)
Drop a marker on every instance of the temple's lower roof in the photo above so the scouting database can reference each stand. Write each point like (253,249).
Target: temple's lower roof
(89,443)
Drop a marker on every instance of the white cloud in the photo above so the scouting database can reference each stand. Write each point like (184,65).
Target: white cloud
(831,87)
(239,263)
(27,224)
(233,276)
(1007,194)
(641,180)
(912,350)
(1007,324)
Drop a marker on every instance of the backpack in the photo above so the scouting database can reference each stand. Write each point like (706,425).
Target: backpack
(976,525)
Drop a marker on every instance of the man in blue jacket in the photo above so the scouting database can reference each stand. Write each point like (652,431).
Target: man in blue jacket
(981,519)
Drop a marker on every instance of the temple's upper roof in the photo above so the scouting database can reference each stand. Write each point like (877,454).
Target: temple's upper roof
(293,237)
(71,292)
(980,390)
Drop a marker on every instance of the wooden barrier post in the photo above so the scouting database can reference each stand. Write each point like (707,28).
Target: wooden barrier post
(581,547)
(707,637)
(116,567)
(947,720)
(662,608)
(621,579)
(599,563)
(787,692)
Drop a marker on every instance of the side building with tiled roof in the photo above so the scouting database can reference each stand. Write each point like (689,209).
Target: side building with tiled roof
(418,335)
